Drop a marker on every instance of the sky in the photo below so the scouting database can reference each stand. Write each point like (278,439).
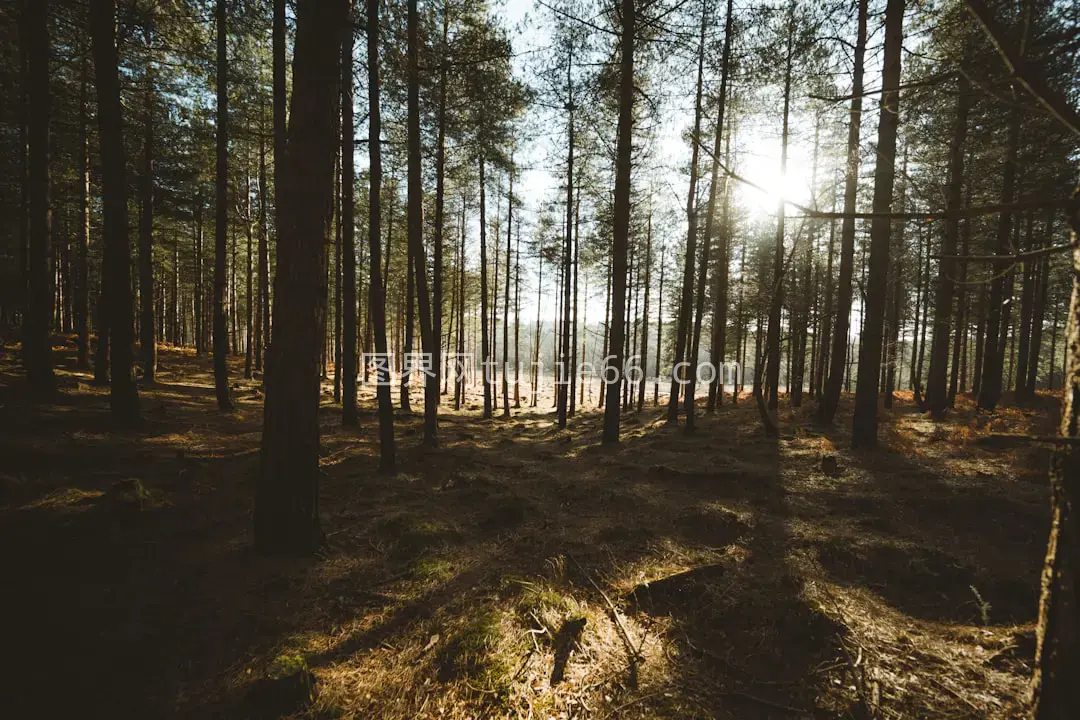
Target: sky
(757,153)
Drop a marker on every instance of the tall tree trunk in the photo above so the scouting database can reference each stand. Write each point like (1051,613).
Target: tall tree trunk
(82,252)
(1055,692)
(517,321)
(563,380)
(348,228)
(573,368)
(197,285)
(428,340)
(957,378)
(262,323)
(440,198)
(377,287)
(279,41)
(838,355)
(147,335)
(621,220)
(659,327)
(645,311)
(992,356)
(221,219)
(772,348)
(684,318)
(37,344)
(1039,311)
(948,270)
(536,339)
(123,395)
(703,269)
(287,489)
(249,299)
(506,295)
(1027,301)
(485,351)
(864,428)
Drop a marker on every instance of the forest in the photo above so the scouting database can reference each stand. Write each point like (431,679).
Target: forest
(575,359)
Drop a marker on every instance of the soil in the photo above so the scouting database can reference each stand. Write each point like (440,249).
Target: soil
(721,574)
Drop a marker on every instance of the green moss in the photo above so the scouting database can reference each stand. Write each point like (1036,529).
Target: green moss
(483,652)
(287,664)
(432,569)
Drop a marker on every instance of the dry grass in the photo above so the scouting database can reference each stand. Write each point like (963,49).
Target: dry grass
(716,575)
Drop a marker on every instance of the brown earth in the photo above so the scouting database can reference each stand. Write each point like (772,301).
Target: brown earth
(720,574)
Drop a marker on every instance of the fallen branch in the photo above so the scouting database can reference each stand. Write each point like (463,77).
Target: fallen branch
(635,657)
(1005,439)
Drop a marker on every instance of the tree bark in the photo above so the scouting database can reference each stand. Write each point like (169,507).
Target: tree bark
(147,335)
(506,296)
(348,229)
(687,298)
(1055,692)
(621,229)
(287,490)
(221,219)
(428,340)
(377,288)
(123,395)
(82,274)
(645,310)
(772,347)
(37,343)
(992,357)
(838,355)
(864,428)
(485,350)
(948,270)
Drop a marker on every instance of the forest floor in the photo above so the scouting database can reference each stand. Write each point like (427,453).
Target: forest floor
(519,571)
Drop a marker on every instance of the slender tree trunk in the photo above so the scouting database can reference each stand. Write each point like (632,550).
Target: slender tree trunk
(563,380)
(864,428)
(838,355)
(536,340)
(517,321)
(958,378)
(485,352)
(221,209)
(948,270)
(82,252)
(772,348)
(645,311)
(37,343)
(621,221)
(410,324)
(992,358)
(147,335)
(440,199)
(348,229)
(659,327)
(428,340)
(1039,311)
(377,287)
(123,395)
(687,298)
(262,322)
(1055,692)
(506,296)
(249,300)
(1027,300)
(574,310)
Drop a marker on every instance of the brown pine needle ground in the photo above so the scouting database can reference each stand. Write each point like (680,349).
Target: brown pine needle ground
(749,583)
